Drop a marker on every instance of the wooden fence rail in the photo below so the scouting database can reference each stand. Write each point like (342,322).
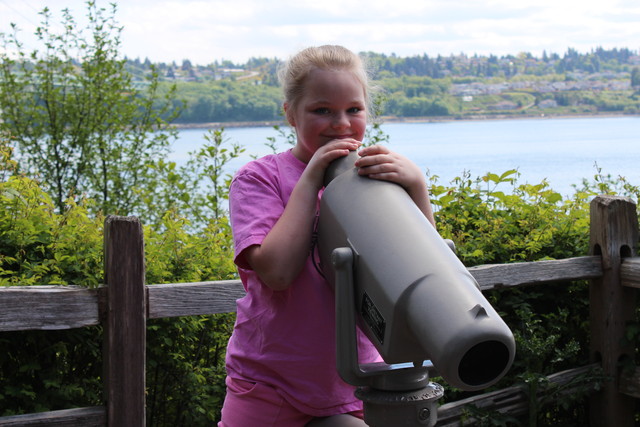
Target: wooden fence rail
(124,304)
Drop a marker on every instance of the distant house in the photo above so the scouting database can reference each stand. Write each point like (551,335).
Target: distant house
(548,103)
(225,73)
(503,105)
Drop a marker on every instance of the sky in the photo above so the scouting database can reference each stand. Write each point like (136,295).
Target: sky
(206,31)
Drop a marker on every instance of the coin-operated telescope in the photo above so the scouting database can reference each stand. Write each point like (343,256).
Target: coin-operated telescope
(404,286)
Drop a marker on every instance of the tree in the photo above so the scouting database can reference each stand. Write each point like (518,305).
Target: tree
(635,78)
(77,118)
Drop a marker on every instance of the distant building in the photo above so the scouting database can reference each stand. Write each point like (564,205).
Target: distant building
(548,103)
(503,105)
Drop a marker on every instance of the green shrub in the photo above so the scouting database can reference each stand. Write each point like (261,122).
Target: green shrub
(45,370)
(493,224)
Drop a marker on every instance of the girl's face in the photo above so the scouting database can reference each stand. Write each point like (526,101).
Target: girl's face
(332,107)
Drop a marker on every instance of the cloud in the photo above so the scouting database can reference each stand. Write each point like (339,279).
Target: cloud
(204,31)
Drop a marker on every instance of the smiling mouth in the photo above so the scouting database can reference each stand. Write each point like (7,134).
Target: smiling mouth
(340,136)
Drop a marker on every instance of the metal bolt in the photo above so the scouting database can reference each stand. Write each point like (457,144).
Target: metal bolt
(424,414)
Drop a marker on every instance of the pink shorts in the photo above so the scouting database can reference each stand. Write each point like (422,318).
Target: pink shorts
(256,404)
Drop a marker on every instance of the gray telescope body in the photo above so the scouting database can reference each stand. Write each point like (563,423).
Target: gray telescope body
(416,301)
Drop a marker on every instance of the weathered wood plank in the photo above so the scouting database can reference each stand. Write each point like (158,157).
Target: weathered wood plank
(47,307)
(191,299)
(86,417)
(630,383)
(511,400)
(613,233)
(188,299)
(492,276)
(125,325)
(79,307)
(630,272)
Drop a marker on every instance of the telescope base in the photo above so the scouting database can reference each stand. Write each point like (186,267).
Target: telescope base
(400,408)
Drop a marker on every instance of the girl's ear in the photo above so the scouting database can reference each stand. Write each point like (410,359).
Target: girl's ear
(288,113)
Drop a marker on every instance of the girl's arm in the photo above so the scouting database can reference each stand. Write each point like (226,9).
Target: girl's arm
(378,162)
(285,249)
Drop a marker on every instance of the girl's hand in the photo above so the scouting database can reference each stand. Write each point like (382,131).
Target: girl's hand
(378,162)
(324,156)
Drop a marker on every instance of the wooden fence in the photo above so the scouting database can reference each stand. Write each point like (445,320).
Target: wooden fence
(124,304)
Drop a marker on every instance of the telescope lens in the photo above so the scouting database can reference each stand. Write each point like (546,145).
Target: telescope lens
(483,363)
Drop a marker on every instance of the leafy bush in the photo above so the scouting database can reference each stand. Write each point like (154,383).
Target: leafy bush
(44,370)
(525,222)
(39,246)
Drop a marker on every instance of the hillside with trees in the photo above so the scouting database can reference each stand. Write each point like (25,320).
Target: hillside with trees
(603,81)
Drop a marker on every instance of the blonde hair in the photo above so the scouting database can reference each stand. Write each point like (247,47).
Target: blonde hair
(294,73)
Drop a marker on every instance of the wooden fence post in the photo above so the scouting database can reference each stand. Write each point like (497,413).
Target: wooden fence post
(614,235)
(125,323)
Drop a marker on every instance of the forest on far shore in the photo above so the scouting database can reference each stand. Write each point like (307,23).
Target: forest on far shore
(603,81)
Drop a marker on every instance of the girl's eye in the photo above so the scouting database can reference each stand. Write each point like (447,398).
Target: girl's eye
(321,110)
(354,110)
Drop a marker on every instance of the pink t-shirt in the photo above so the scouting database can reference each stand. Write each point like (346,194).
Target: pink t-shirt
(285,339)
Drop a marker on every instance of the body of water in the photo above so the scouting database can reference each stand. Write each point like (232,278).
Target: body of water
(561,150)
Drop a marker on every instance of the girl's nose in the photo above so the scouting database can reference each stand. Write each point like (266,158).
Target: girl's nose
(340,120)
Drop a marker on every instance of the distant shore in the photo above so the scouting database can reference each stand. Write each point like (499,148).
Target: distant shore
(429,119)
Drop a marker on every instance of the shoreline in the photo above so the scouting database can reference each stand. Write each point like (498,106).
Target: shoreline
(429,119)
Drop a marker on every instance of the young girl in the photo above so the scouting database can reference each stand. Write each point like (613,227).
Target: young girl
(281,357)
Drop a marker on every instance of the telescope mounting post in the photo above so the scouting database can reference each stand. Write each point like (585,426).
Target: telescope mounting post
(393,394)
